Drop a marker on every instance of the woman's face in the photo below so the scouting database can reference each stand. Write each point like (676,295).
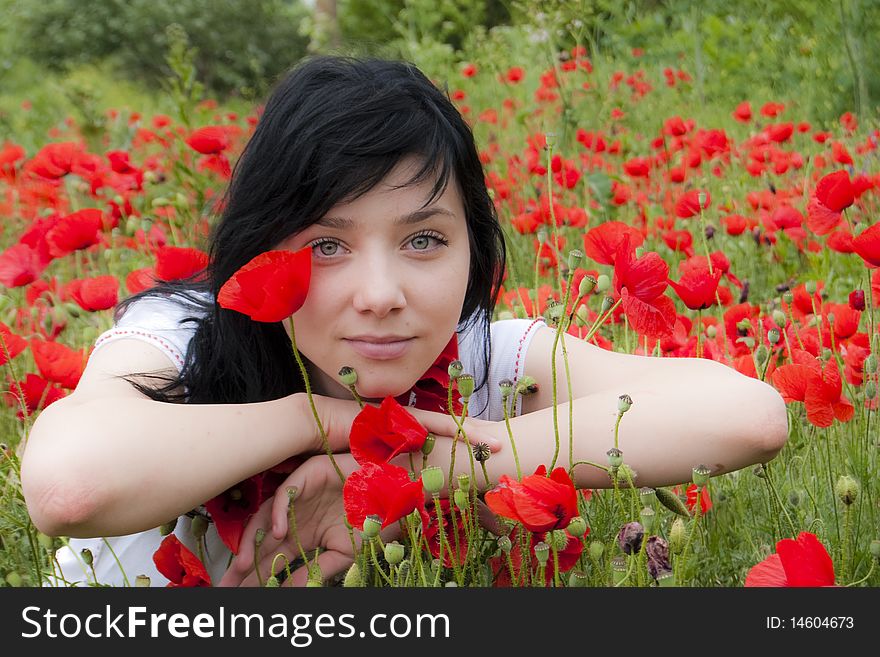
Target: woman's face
(388,285)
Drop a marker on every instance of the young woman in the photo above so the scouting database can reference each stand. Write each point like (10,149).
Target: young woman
(370,166)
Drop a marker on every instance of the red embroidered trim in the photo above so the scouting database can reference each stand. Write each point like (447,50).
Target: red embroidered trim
(172,350)
(519,349)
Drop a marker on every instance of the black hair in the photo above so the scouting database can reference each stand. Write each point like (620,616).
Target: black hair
(332,129)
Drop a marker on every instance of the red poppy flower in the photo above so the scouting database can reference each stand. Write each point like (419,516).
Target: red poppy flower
(209,140)
(451,540)
(743,112)
(857,300)
(271,287)
(55,160)
(867,245)
(818,387)
(380,434)
(640,284)
(846,320)
(59,363)
(689,203)
(176,262)
(139,280)
(75,231)
(697,287)
(35,393)
(179,565)
(602,242)
(232,508)
(539,502)
(384,490)
(834,193)
(92,294)
(691,499)
(567,557)
(19,265)
(430,389)
(780,132)
(11,345)
(801,562)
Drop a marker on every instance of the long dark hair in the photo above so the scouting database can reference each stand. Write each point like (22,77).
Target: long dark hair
(331,130)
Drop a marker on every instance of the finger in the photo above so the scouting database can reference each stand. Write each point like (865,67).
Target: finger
(443,425)
(285,496)
(270,564)
(260,520)
(331,563)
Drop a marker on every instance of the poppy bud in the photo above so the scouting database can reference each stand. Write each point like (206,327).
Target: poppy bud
(353,577)
(506,387)
(556,538)
(758,471)
(657,551)
(874,547)
(505,544)
(810,287)
(624,403)
(168,527)
(607,303)
(574,258)
(272,582)
(142,582)
(86,555)
(711,332)
(372,525)
(626,474)
(455,369)
(554,313)
(615,457)
(779,318)
(199,526)
(597,549)
(481,452)
(748,341)
(160,202)
(348,375)
(847,489)
(527,385)
(582,315)
(432,479)
(461,499)
(550,139)
(394,552)
(542,552)
(826,354)
(259,536)
(428,445)
(45,541)
(14,579)
(587,285)
(677,535)
(541,235)
(314,583)
(646,516)
(465,384)
(701,199)
(870,390)
(788,296)
(629,538)
(618,569)
(773,336)
(640,251)
(464,482)
(761,354)
(577,526)
(870,364)
(577,579)
(647,496)
(672,502)
(701,475)
(857,300)
(603,282)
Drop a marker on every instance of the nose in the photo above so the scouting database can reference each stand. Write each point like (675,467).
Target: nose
(379,288)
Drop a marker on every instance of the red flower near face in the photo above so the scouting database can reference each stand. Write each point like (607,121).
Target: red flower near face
(209,140)
(233,507)
(834,193)
(602,242)
(640,284)
(430,390)
(75,231)
(818,387)
(539,502)
(697,287)
(176,262)
(59,363)
(801,562)
(689,203)
(139,280)
(179,565)
(380,434)
(271,287)
(384,490)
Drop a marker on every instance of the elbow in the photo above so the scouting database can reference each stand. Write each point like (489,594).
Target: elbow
(771,416)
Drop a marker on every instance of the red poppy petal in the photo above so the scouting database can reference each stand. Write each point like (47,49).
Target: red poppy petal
(767,573)
(806,561)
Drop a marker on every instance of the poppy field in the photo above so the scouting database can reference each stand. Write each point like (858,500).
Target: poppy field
(635,217)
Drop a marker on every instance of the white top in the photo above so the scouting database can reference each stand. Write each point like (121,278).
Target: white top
(158,321)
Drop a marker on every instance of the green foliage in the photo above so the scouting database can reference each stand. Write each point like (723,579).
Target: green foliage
(241,46)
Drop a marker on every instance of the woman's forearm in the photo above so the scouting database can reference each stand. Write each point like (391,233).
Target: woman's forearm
(117,466)
(666,433)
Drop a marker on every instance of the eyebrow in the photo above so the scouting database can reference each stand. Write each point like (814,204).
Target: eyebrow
(416,217)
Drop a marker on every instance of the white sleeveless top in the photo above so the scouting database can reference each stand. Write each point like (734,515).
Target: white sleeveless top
(158,321)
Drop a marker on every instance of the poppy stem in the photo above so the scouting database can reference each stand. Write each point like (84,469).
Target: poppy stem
(305,376)
(512,442)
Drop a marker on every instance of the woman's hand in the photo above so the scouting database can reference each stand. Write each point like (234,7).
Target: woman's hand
(320,523)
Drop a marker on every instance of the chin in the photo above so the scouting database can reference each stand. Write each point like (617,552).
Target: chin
(379,390)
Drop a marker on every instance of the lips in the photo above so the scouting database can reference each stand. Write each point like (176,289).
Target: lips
(380,348)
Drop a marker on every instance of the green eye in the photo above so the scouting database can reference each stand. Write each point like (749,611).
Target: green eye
(421,242)
(328,248)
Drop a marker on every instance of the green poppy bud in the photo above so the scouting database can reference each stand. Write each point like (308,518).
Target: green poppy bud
(810,287)
(597,549)
(870,390)
(86,555)
(428,445)
(314,583)
(353,577)
(372,525)
(199,526)
(788,296)
(711,332)
(847,489)
(574,258)
(587,285)
(831,318)
(542,552)
(461,499)
(672,502)
(556,538)
(582,315)
(272,582)
(142,582)
(46,542)
(640,251)
(464,482)
(348,375)
(506,387)
(455,369)
(465,384)
(14,579)
(615,457)
(666,578)
(701,475)
(554,312)
(618,569)
(624,403)
(607,303)
(874,547)
(758,471)
(168,527)
(577,526)
(870,364)
(773,336)
(677,535)
(578,579)
(432,479)
(647,496)
(603,282)
(541,235)
(527,385)
(646,517)
(394,552)
(259,536)
(761,354)
(505,544)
